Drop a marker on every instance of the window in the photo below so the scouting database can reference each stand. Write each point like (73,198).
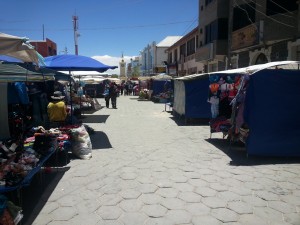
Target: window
(191,47)
(298,53)
(217,30)
(176,55)
(170,57)
(208,2)
(281,6)
(183,50)
(243,15)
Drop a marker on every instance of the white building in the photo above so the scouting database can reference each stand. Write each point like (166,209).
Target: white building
(154,56)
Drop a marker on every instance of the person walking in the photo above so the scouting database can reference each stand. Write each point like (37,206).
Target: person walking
(106,95)
(113,92)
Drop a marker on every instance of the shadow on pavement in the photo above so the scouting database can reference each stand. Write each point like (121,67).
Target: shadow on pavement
(90,110)
(95,118)
(182,121)
(35,196)
(100,140)
(239,157)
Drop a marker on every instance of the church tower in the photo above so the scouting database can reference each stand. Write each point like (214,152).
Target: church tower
(122,67)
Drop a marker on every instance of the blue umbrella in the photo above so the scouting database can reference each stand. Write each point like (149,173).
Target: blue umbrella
(75,63)
(10,59)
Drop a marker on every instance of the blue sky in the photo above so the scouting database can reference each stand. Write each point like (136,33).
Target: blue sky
(107,27)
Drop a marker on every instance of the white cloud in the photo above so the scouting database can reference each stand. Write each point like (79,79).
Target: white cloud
(112,61)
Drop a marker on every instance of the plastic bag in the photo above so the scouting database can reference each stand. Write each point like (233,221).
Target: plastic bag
(81,143)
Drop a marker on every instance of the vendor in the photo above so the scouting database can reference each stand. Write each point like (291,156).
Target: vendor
(57,110)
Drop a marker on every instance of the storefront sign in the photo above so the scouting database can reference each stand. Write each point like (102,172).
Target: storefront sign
(160,69)
(245,37)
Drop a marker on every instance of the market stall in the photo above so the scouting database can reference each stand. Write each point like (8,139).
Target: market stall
(190,96)
(261,111)
(265,116)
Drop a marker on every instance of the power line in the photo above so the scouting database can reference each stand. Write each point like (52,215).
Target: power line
(268,16)
(189,27)
(106,28)
(281,7)
(246,14)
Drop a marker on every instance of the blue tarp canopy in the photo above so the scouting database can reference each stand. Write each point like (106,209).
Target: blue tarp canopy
(9,59)
(272,111)
(75,63)
(190,96)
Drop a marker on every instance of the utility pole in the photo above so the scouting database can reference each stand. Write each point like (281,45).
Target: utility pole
(76,34)
(230,21)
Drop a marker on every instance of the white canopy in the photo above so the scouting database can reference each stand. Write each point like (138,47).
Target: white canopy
(18,47)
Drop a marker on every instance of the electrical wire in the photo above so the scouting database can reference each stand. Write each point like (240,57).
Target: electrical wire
(189,27)
(282,14)
(107,28)
(268,16)
(281,7)
(254,24)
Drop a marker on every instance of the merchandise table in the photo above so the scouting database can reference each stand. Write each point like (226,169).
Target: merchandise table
(27,179)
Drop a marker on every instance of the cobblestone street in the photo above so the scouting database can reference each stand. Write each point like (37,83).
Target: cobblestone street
(150,168)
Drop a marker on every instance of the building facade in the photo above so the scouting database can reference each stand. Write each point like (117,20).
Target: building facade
(122,65)
(240,33)
(45,47)
(264,32)
(181,56)
(153,57)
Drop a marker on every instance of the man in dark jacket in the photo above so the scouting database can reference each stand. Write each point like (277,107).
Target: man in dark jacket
(113,92)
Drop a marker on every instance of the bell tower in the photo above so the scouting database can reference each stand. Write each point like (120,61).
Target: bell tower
(122,64)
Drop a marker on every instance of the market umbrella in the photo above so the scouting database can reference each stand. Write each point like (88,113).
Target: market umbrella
(75,63)
(18,47)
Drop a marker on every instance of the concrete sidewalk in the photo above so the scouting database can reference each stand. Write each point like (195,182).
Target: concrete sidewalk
(148,168)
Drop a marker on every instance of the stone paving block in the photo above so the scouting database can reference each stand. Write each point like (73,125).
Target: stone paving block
(90,219)
(154,210)
(207,220)
(131,218)
(131,205)
(95,185)
(178,178)
(268,214)
(69,200)
(63,213)
(163,183)
(128,176)
(183,187)
(111,189)
(229,196)
(282,207)
(205,191)
(214,202)
(147,188)
(254,186)
(179,216)
(198,182)
(110,199)
(254,201)
(295,200)
(266,195)
(159,221)
(49,207)
(218,187)
(109,212)
(240,190)
(43,219)
(172,203)
(240,207)
(167,192)
(192,175)
(251,219)
(224,215)
(292,218)
(150,199)
(189,197)
(89,206)
(130,194)
(197,209)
